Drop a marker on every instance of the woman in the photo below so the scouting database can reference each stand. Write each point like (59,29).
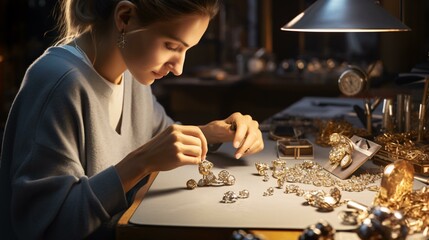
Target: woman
(85,130)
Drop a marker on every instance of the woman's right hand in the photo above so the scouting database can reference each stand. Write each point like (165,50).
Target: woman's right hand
(176,146)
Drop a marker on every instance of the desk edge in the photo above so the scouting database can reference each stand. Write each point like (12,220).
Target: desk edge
(125,218)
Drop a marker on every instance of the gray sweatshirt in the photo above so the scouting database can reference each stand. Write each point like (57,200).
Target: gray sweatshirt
(57,179)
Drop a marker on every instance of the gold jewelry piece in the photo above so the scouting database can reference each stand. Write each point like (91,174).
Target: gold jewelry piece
(396,197)
(269,192)
(266,177)
(209,179)
(223,175)
(262,168)
(191,184)
(326,128)
(318,198)
(230,180)
(279,168)
(243,194)
(278,164)
(401,146)
(231,197)
(341,152)
(205,167)
(310,172)
(396,193)
(396,183)
(226,178)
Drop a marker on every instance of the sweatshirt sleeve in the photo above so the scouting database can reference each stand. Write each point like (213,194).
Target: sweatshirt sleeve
(66,204)
(52,197)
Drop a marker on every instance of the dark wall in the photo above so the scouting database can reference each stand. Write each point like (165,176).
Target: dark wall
(27,28)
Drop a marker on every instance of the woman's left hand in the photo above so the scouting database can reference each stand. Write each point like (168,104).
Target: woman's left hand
(242,130)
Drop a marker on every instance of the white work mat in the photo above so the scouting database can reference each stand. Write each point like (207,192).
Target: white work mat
(169,203)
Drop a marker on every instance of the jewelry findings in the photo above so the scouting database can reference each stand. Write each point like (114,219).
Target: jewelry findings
(318,198)
(397,194)
(209,179)
(266,177)
(327,129)
(341,152)
(226,178)
(269,192)
(278,167)
(402,146)
(205,167)
(262,168)
(231,197)
(191,184)
(244,193)
(310,172)
(397,209)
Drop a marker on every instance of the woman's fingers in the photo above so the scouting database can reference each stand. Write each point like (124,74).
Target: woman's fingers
(241,124)
(253,143)
(190,141)
(248,137)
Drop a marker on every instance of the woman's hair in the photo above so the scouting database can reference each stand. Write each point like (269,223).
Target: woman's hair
(79,16)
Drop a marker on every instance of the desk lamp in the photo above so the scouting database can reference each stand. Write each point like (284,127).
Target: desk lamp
(348,16)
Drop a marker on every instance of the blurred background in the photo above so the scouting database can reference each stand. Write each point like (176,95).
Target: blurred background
(244,61)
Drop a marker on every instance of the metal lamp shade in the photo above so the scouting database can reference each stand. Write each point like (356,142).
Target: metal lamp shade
(345,16)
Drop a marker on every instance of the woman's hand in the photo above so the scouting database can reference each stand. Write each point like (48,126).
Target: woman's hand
(242,130)
(176,146)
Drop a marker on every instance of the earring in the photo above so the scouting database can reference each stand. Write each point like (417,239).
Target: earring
(121,40)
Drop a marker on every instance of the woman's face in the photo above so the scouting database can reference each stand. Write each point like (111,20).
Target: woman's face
(161,47)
